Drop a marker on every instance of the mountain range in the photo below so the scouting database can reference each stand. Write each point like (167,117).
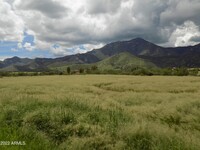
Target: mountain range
(118,55)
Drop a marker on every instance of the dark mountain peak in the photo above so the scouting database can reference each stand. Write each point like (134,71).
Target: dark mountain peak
(198,45)
(138,40)
(133,41)
(16,59)
(13,59)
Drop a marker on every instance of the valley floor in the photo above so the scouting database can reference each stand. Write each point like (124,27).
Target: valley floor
(100,112)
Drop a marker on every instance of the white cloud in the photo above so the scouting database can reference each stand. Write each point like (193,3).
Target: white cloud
(183,34)
(90,47)
(86,47)
(2,58)
(19,45)
(91,22)
(61,51)
(14,50)
(11,25)
(28,46)
(180,11)
(58,51)
(49,8)
(103,6)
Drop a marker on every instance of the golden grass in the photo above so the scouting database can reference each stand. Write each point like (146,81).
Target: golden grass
(101,112)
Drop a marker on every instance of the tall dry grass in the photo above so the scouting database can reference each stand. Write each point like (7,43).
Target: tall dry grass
(100,112)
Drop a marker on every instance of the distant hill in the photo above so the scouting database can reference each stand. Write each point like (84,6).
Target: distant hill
(124,61)
(137,47)
(133,51)
(162,57)
(21,64)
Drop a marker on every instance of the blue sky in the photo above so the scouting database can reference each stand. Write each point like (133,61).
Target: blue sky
(10,49)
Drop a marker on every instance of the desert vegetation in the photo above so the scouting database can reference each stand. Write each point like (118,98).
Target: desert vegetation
(100,112)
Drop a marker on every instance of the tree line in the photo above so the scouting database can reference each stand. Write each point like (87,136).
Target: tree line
(95,70)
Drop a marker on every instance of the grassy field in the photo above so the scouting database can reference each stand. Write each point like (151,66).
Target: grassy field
(100,112)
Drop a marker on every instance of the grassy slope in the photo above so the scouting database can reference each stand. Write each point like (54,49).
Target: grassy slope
(122,61)
(9,68)
(100,112)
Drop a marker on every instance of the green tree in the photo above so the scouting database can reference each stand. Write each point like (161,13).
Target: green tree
(68,70)
(194,72)
(93,68)
(181,72)
(81,70)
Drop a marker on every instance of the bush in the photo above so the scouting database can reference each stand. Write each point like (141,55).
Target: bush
(68,70)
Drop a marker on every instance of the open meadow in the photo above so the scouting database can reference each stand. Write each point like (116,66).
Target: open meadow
(100,112)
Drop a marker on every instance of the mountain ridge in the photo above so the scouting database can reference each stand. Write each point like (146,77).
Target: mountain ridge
(161,56)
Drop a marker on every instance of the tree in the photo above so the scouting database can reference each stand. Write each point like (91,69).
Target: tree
(81,70)
(181,72)
(93,68)
(194,72)
(68,70)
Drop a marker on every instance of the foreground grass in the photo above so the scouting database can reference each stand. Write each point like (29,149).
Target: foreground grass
(100,112)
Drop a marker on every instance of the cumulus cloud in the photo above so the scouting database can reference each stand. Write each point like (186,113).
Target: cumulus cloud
(195,38)
(11,25)
(85,48)
(71,24)
(19,45)
(185,34)
(58,51)
(14,49)
(180,11)
(2,58)
(103,6)
(28,46)
(50,8)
